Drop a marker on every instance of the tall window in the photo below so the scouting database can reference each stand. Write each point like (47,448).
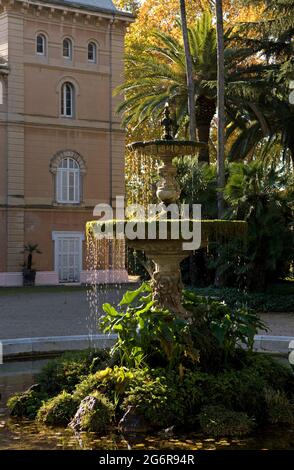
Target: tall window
(68,181)
(92,52)
(67,48)
(41,44)
(67,100)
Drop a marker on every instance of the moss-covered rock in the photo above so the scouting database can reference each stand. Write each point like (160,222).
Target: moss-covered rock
(217,421)
(26,404)
(58,411)
(95,414)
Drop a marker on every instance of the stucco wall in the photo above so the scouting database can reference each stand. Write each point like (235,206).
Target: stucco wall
(32,131)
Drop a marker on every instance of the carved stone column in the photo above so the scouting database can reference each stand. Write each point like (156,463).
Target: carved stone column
(166,280)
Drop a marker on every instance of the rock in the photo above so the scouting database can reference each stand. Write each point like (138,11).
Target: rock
(168,432)
(133,423)
(95,414)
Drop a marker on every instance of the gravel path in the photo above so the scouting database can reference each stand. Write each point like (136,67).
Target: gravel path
(28,315)
(279,324)
(25,315)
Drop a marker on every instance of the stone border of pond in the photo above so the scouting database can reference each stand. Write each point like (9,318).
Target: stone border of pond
(14,349)
(19,348)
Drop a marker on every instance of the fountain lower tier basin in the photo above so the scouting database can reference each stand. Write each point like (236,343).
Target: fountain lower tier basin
(166,242)
(142,233)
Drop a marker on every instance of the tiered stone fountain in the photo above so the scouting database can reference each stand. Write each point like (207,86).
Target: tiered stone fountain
(168,253)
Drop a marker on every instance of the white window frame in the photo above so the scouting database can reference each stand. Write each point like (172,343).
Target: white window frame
(70,49)
(64,98)
(44,42)
(92,61)
(76,182)
(56,235)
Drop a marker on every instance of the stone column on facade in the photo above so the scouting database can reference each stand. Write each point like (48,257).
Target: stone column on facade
(15,143)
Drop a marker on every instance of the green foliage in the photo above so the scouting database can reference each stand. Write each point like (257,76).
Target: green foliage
(257,194)
(198,185)
(63,373)
(99,417)
(272,371)
(229,326)
(275,299)
(217,421)
(113,381)
(58,411)
(279,409)
(151,399)
(260,195)
(26,404)
(158,75)
(147,334)
(165,398)
(30,249)
(250,383)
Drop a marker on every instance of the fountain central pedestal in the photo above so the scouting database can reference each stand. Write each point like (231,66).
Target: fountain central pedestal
(168,252)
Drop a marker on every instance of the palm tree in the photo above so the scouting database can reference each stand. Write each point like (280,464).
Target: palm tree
(261,114)
(189,71)
(220,106)
(159,75)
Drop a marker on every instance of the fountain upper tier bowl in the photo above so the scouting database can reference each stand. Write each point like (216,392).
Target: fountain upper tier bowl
(167,148)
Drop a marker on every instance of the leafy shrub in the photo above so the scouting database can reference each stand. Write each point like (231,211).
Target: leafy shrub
(65,372)
(146,334)
(228,326)
(151,399)
(58,410)
(279,298)
(276,374)
(256,193)
(26,404)
(95,414)
(218,421)
(279,409)
(114,382)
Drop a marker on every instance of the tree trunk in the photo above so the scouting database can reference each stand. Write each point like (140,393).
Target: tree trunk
(220,107)
(205,110)
(189,72)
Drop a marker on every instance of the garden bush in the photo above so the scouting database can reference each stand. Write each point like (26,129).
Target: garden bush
(114,382)
(275,373)
(279,409)
(59,410)
(65,372)
(279,298)
(157,400)
(218,421)
(26,404)
(170,370)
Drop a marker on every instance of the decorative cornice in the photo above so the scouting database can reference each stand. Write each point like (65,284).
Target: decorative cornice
(69,11)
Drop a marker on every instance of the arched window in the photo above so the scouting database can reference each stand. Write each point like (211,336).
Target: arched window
(67,49)
(68,181)
(67,100)
(41,44)
(92,52)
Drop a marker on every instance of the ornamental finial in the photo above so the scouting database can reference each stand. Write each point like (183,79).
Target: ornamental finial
(167,123)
